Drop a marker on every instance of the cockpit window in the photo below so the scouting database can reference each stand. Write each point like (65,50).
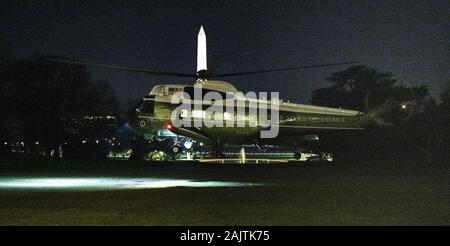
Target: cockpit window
(147,107)
(158,90)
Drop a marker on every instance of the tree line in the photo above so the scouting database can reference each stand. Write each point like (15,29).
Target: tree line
(39,99)
(423,135)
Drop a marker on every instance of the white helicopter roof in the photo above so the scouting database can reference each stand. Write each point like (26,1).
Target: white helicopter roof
(216,85)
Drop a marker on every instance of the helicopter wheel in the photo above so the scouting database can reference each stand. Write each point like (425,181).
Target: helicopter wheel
(176,149)
(218,153)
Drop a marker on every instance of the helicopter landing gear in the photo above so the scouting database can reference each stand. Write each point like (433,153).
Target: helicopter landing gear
(176,149)
(218,150)
(297,152)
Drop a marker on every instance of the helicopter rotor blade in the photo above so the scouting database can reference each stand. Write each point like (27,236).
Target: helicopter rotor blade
(283,69)
(123,68)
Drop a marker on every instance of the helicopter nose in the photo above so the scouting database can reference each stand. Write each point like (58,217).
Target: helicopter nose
(137,125)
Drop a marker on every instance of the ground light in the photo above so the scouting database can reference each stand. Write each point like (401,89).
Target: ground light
(107,183)
(242,155)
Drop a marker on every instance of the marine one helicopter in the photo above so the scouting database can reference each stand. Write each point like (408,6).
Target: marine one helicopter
(297,124)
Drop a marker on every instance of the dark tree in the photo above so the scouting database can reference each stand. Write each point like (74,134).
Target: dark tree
(419,135)
(358,87)
(47,95)
(6,95)
(445,96)
(445,116)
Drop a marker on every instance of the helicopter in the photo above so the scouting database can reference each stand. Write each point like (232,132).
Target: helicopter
(296,124)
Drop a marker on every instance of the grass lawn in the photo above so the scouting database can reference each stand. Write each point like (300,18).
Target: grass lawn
(359,193)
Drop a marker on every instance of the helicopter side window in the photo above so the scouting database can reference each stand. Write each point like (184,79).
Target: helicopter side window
(147,107)
(173,90)
(191,92)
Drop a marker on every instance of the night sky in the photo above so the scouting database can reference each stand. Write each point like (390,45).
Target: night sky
(409,38)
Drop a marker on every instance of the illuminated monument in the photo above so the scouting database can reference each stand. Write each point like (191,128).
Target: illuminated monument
(201,51)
